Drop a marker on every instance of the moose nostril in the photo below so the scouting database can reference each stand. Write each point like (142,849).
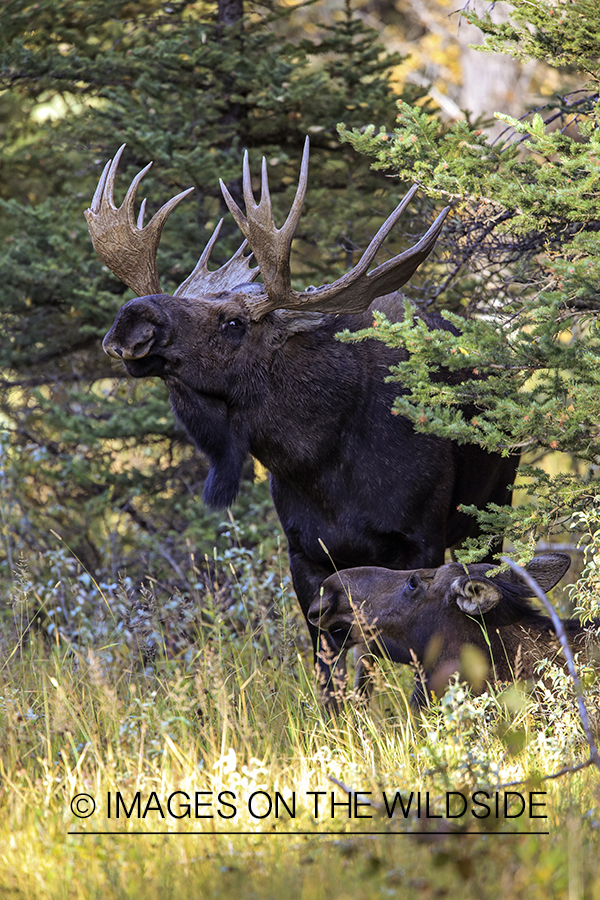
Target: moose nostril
(135,343)
(111,350)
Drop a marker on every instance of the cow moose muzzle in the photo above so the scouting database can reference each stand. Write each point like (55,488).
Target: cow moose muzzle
(335,614)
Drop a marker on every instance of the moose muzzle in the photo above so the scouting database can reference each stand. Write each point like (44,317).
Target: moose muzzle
(141,325)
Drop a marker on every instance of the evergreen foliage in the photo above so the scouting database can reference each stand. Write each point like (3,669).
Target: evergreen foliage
(521,275)
(88,452)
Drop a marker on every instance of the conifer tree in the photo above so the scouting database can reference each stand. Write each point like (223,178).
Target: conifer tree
(189,84)
(521,274)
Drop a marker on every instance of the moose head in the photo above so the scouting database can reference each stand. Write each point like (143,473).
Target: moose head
(214,338)
(430,616)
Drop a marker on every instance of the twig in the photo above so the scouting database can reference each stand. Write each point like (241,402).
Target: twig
(347,790)
(561,634)
(567,770)
(340,784)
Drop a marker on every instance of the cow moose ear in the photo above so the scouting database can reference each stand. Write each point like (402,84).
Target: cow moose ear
(475,595)
(547,570)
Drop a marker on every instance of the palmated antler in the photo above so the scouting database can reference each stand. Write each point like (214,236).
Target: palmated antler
(129,250)
(354,291)
(234,272)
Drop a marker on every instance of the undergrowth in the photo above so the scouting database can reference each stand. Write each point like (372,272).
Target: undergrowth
(191,722)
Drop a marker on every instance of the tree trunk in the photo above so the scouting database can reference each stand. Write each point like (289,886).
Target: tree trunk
(229,13)
(492,82)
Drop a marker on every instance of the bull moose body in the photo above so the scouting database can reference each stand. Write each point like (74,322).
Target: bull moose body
(432,615)
(255,368)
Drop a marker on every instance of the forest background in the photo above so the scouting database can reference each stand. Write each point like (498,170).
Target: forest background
(126,599)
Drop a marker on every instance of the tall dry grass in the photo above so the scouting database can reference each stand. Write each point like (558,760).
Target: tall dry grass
(122,692)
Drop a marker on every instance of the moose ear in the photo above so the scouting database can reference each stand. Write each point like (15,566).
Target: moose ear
(547,570)
(475,595)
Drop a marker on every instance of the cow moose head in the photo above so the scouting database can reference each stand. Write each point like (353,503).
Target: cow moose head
(431,615)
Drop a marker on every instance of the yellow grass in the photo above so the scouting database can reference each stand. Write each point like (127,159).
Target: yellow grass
(232,717)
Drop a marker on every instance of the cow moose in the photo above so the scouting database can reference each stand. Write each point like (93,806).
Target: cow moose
(256,368)
(430,616)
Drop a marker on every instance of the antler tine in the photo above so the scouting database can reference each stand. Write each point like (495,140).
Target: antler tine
(371,251)
(211,243)
(129,198)
(141,214)
(106,186)
(270,245)
(265,193)
(110,178)
(159,218)
(95,205)
(385,277)
(247,183)
(291,223)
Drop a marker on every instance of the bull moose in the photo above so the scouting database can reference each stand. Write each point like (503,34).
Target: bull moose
(256,368)
(429,616)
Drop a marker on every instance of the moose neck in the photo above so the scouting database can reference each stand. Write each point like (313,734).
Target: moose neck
(218,433)
(314,384)
(286,407)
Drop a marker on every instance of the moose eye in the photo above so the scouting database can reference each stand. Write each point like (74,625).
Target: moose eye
(413,582)
(234,329)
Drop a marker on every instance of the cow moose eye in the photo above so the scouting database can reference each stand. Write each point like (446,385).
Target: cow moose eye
(413,582)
